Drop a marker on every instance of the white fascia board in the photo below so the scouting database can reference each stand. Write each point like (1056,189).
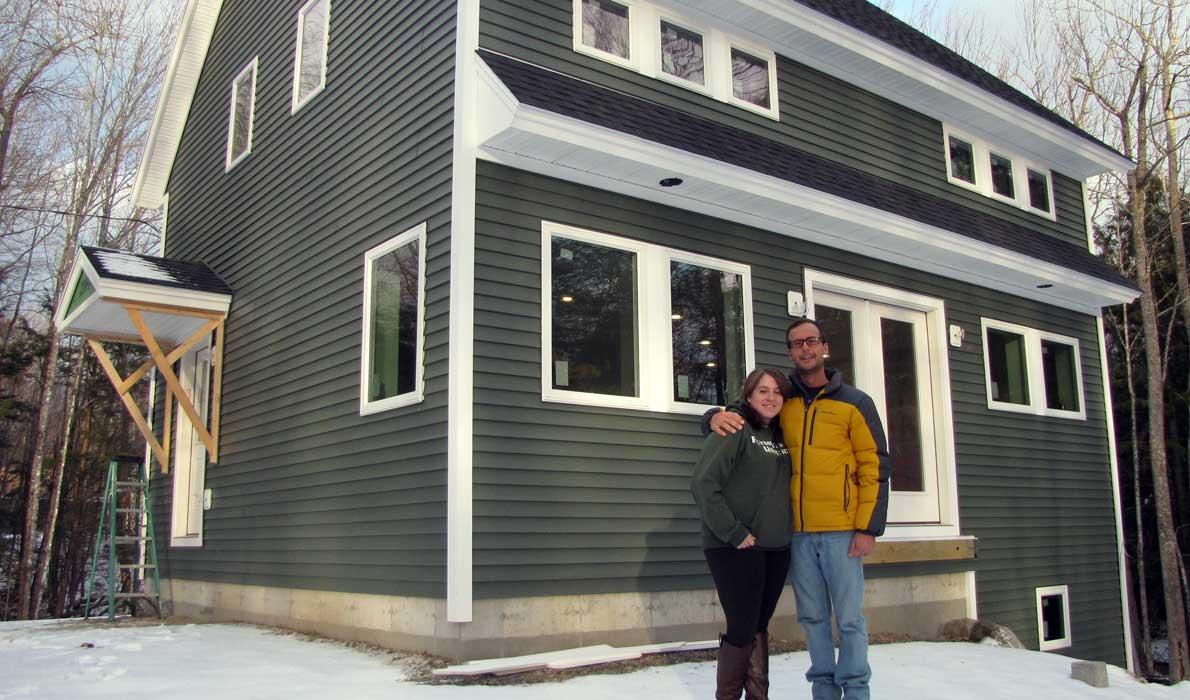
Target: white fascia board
(158,294)
(840,50)
(173,104)
(570,149)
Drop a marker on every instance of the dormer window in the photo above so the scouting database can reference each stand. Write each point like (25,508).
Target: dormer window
(659,43)
(998,173)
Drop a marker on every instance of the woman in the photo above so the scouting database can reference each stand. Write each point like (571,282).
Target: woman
(741,485)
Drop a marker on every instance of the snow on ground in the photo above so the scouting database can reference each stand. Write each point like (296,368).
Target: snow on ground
(49,660)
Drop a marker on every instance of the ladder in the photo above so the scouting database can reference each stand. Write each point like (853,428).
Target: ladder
(127,505)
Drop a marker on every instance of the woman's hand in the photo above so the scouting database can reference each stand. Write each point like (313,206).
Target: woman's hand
(748,542)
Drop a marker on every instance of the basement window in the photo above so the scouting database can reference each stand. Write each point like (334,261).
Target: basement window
(394,323)
(1053,618)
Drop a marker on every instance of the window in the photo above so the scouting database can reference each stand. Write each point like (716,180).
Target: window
(1002,176)
(309,65)
(997,173)
(605,28)
(891,344)
(1031,371)
(962,160)
(394,323)
(657,42)
(243,108)
(1053,618)
(749,78)
(682,53)
(627,324)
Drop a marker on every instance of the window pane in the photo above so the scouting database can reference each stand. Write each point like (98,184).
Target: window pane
(1006,359)
(835,325)
(394,323)
(1052,618)
(962,160)
(1061,379)
(681,53)
(594,318)
(242,121)
(901,402)
(749,78)
(1039,191)
(708,333)
(313,49)
(1002,176)
(605,26)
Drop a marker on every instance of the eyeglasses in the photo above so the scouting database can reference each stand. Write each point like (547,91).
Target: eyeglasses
(811,342)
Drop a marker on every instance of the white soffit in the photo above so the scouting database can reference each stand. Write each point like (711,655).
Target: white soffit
(828,45)
(173,104)
(540,141)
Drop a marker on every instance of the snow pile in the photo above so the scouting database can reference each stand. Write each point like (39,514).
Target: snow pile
(59,660)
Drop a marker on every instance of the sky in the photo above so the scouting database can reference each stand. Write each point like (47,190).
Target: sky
(71,660)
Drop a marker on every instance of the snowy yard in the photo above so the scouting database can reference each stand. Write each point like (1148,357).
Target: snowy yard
(49,660)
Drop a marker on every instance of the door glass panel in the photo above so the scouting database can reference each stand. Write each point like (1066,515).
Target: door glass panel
(903,404)
(835,325)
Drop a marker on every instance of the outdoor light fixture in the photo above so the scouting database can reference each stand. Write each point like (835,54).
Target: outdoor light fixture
(671,182)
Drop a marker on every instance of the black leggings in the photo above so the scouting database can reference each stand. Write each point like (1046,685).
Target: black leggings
(749,582)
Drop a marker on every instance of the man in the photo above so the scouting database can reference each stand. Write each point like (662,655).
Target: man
(839,492)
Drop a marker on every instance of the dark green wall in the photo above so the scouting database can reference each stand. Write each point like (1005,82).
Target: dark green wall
(819,114)
(309,494)
(570,499)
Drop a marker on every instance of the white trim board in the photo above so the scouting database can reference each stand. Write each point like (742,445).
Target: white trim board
(558,146)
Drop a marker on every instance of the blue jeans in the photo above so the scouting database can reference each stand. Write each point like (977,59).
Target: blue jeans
(824,577)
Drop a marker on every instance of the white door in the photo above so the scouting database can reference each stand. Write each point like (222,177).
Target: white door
(190,455)
(884,350)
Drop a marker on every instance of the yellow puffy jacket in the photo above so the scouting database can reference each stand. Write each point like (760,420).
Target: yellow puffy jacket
(840,458)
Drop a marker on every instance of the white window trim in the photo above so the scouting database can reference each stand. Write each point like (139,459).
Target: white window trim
(654,332)
(644,53)
(367,407)
(1035,371)
(1064,642)
(981,154)
(231,118)
(935,311)
(297,101)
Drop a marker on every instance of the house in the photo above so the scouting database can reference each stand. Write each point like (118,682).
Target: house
(491,258)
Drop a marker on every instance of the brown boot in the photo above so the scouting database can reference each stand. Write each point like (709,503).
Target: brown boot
(732,670)
(756,685)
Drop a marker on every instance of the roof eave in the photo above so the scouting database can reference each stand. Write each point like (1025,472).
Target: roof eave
(173,104)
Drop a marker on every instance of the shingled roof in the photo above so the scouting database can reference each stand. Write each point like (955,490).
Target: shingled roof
(561,94)
(878,24)
(145,269)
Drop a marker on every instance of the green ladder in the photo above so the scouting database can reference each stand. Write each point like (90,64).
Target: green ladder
(126,495)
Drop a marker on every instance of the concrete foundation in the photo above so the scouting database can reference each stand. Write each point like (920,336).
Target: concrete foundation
(916,606)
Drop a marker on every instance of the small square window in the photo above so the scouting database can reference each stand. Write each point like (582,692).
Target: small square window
(606,28)
(1039,191)
(1061,376)
(749,78)
(1053,618)
(707,313)
(1007,363)
(394,318)
(310,61)
(1002,183)
(594,322)
(682,53)
(962,160)
(243,107)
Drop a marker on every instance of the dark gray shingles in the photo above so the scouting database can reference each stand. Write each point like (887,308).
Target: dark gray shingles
(146,269)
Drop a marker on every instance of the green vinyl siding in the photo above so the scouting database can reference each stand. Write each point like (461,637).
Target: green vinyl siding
(308,493)
(572,499)
(819,113)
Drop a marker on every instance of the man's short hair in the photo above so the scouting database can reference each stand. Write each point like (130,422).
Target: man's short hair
(801,322)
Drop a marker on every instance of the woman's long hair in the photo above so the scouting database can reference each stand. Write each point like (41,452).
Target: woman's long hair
(750,383)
